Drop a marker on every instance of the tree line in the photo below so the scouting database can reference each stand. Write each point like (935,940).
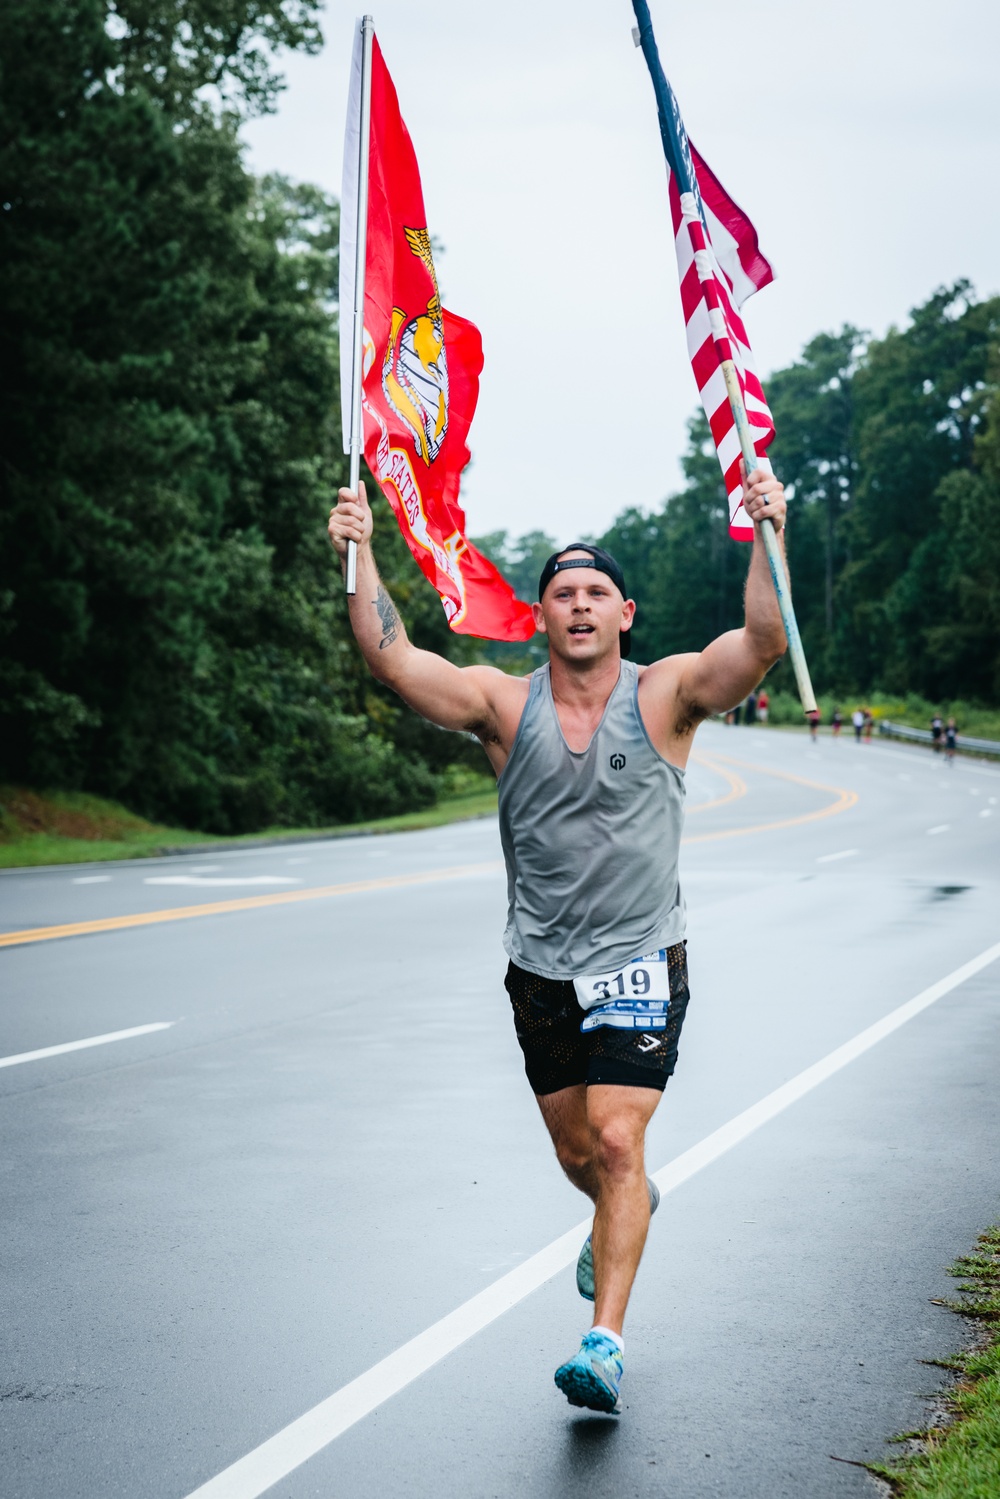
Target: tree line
(172,626)
(890,452)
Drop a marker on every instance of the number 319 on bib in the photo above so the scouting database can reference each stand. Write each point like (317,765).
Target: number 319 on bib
(647,977)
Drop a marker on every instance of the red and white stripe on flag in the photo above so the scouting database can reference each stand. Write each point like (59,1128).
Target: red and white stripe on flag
(720,266)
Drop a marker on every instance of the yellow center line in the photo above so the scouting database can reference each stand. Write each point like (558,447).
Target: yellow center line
(242,903)
(737,787)
(843,801)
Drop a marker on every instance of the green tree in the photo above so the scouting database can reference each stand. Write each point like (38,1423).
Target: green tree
(963,642)
(920,396)
(814,453)
(174,632)
(680,564)
(192,54)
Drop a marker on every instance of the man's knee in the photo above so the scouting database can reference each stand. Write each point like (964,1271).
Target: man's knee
(618,1147)
(575,1155)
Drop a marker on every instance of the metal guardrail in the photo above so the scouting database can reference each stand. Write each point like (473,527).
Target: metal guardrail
(924,736)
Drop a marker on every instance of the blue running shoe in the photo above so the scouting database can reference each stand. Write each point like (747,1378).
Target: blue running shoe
(585,1264)
(593,1376)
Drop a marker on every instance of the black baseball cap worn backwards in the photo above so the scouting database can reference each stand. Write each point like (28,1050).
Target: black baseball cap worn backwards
(601,561)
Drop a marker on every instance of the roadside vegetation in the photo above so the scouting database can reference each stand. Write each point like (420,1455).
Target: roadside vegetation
(960,1459)
(173,632)
(913,710)
(78,828)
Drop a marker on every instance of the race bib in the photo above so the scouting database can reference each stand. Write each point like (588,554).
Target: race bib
(633,997)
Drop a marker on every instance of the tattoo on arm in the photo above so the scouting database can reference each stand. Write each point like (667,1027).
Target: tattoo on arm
(391,622)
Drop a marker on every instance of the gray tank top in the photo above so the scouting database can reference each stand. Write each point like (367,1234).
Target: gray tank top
(590,838)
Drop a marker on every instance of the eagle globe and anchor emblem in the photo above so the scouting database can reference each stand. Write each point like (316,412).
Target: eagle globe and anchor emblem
(415,369)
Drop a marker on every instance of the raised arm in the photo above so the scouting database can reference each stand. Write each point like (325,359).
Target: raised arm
(451,696)
(724,672)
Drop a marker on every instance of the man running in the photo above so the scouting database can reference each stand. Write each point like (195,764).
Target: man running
(937,732)
(589,752)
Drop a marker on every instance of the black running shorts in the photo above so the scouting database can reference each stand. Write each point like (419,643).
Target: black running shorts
(557,1054)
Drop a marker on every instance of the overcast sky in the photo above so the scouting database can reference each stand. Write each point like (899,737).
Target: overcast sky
(861,138)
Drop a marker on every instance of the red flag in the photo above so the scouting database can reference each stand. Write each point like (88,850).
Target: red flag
(421,367)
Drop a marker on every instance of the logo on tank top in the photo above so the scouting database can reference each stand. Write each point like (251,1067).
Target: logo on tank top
(617,761)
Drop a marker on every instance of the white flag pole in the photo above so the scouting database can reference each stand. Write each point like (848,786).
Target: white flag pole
(679,162)
(360,250)
(779,576)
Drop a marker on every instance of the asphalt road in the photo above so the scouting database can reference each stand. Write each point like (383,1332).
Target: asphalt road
(212,1227)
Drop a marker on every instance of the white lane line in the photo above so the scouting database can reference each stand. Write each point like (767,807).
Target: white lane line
(57,1051)
(274,1459)
(941,828)
(91,879)
(845,853)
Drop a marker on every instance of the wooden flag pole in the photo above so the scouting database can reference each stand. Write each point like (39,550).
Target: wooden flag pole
(360,252)
(775,561)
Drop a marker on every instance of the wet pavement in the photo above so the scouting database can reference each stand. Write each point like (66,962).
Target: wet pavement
(212,1227)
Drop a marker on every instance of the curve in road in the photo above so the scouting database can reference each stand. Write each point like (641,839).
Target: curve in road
(844,800)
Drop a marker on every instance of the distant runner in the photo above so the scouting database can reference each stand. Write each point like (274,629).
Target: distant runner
(814,720)
(836,723)
(950,739)
(937,733)
(858,720)
(763,704)
(590,752)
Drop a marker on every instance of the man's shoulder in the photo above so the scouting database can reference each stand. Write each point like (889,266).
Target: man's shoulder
(665,672)
(506,696)
(495,681)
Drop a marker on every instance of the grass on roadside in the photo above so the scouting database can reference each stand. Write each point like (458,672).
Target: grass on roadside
(63,827)
(961,1460)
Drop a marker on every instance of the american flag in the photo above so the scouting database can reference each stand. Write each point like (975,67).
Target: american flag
(720,266)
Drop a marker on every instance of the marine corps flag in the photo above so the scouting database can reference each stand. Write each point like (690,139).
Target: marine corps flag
(420,364)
